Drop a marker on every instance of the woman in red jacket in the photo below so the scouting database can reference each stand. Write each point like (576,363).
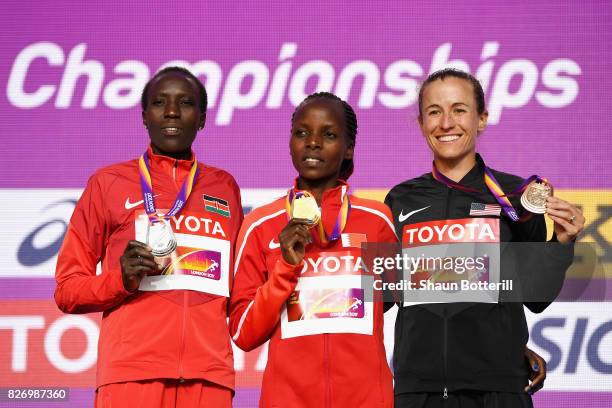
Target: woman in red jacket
(299,284)
(163,338)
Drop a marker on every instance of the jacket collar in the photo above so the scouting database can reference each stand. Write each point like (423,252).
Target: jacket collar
(167,164)
(333,195)
(330,203)
(476,173)
(170,167)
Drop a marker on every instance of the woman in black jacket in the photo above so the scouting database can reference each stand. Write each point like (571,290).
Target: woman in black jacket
(470,354)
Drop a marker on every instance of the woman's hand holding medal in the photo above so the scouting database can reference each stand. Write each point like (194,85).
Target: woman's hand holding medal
(568,219)
(538,198)
(293,240)
(295,236)
(137,262)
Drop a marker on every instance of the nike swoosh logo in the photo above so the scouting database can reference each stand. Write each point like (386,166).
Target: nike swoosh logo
(129,206)
(402,217)
(273,245)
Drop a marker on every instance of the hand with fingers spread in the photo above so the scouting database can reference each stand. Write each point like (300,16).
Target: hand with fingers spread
(293,240)
(537,370)
(137,262)
(568,219)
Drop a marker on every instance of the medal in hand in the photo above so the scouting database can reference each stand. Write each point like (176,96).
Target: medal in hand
(534,197)
(305,207)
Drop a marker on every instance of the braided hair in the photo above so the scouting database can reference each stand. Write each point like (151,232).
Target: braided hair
(203,102)
(350,122)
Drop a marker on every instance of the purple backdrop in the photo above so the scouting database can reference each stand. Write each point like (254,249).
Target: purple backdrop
(541,55)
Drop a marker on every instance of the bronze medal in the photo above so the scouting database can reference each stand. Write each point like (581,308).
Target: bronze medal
(534,197)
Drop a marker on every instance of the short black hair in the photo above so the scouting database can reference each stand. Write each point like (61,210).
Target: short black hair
(350,120)
(456,73)
(203,102)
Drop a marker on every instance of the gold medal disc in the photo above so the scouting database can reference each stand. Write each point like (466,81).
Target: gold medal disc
(305,207)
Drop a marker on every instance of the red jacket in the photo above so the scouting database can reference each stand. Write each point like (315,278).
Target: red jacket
(318,370)
(145,335)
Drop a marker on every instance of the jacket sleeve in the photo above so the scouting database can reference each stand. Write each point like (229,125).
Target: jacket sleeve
(258,294)
(386,234)
(79,289)
(542,265)
(387,229)
(237,219)
(389,204)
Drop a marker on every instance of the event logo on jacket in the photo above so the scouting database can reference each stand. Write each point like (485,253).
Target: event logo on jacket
(456,260)
(201,259)
(330,296)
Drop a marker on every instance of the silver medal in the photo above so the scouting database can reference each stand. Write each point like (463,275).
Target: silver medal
(161,238)
(534,198)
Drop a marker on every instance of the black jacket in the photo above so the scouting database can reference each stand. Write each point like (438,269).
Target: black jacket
(461,346)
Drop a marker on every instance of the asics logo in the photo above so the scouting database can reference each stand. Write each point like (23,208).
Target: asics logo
(129,205)
(273,245)
(402,217)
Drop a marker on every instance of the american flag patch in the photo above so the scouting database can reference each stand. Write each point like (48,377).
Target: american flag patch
(485,209)
(216,205)
(351,240)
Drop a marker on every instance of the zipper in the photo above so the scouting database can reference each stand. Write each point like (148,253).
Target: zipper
(326,363)
(449,193)
(445,355)
(185,307)
(182,342)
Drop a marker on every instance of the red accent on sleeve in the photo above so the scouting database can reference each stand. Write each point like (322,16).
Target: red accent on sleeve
(78,289)
(258,294)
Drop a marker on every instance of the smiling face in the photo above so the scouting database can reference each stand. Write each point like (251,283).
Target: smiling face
(450,120)
(318,142)
(173,116)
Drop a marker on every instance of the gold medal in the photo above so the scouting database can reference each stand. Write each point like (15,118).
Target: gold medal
(305,207)
(534,197)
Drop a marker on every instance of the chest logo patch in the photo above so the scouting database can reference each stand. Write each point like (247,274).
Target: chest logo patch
(216,205)
(485,209)
(403,217)
(129,205)
(273,244)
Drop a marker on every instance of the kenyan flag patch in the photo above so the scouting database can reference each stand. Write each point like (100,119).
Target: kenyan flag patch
(216,205)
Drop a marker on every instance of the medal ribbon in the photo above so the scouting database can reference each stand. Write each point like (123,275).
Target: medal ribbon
(495,189)
(321,235)
(147,190)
